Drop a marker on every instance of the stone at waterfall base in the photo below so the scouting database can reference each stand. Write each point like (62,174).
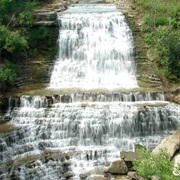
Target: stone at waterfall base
(134,176)
(171,143)
(118,167)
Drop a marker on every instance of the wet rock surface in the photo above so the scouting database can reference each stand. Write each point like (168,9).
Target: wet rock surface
(56,162)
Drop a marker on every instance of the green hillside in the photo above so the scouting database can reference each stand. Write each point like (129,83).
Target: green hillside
(161,31)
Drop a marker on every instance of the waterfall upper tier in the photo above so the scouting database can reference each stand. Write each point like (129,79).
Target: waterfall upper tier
(95,49)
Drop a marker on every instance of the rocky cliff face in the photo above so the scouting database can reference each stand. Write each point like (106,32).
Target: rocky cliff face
(47,15)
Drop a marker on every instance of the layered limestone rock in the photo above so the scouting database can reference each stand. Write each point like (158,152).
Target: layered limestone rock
(47,15)
(172,144)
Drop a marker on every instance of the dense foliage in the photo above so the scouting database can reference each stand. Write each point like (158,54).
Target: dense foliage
(155,165)
(161,27)
(18,38)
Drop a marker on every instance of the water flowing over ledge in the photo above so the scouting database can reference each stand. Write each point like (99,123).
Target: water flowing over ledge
(86,134)
(95,49)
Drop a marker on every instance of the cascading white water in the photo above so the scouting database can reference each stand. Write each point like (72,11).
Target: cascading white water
(95,49)
(73,134)
(89,133)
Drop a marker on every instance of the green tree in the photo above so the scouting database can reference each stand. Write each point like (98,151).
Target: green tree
(11,42)
(8,72)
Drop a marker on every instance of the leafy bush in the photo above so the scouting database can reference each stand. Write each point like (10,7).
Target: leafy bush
(11,42)
(169,48)
(15,42)
(25,17)
(39,35)
(155,165)
(8,72)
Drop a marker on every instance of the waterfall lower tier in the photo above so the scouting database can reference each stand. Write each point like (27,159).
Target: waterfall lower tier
(95,49)
(78,136)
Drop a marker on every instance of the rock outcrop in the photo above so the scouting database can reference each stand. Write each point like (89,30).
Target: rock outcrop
(172,144)
(129,156)
(47,15)
(118,167)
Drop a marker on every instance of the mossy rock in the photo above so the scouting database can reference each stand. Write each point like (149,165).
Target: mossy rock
(130,155)
(139,147)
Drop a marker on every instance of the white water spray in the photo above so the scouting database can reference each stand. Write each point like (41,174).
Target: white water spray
(95,50)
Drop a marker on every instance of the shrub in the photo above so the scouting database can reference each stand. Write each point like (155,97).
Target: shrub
(155,165)
(8,72)
(169,48)
(26,16)
(39,35)
(11,43)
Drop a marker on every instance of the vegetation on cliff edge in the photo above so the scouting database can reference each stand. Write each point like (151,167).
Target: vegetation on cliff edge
(161,30)
(19,40)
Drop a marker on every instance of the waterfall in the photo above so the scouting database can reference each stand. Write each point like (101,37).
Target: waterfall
(49,132)
(95,49)
(78,132)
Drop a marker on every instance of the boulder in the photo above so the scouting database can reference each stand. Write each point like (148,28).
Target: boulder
(68,174)
(118,167)
(134,176)
(120,177)
(129,156)
(83,175)
(171,143)
(96,177)
(131,175)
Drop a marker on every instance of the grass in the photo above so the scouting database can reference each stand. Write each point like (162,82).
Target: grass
(161,31)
